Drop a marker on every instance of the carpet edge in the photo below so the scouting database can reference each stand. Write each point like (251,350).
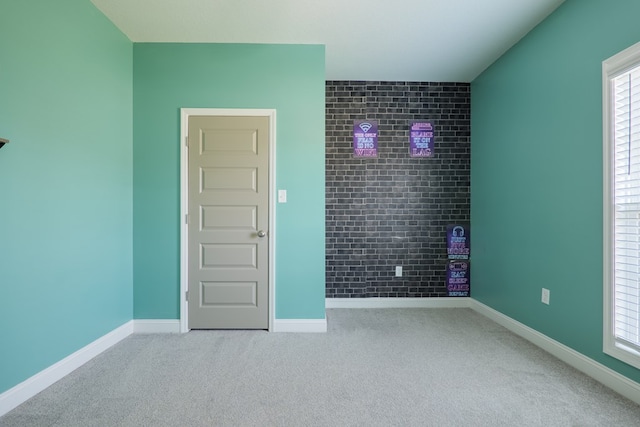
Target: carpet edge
(300,325)
(604,375)
(33,385)
(442,302)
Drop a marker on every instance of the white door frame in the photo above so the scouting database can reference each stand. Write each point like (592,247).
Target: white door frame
(185,113)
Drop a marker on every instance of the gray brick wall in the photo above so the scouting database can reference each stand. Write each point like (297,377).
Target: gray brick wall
(394,209)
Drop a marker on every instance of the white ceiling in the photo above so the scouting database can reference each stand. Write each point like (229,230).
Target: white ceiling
(401,40)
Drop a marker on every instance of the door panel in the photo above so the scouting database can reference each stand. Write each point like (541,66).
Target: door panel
(229,217)
(229,179)
(229,256)
(228,207)
(226,293)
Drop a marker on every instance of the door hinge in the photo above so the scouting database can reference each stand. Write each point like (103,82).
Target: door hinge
(186,140)
(186,295)
(186,219)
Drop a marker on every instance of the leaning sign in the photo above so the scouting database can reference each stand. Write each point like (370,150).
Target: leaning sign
(458,241)
(458,278)
(458,266)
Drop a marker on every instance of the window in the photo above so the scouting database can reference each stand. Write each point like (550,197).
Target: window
(621,153)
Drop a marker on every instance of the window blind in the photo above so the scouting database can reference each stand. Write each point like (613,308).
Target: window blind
(626,94)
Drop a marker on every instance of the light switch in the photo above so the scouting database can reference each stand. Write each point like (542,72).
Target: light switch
(282,196)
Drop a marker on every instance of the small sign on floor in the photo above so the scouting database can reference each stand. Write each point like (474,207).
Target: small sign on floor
(458,278)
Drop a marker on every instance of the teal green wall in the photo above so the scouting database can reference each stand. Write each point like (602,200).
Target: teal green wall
(288,78)
(536,181)
(65,182)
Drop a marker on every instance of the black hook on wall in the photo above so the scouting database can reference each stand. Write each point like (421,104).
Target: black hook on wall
(3,141)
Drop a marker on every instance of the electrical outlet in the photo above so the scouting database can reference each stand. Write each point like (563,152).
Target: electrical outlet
(398,271)
(546,295)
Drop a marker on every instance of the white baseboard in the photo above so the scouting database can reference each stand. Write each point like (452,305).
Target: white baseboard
(610,378)
(300,325)
(22,392)
(156,326)
(43,379)
(35,384)
(444,302)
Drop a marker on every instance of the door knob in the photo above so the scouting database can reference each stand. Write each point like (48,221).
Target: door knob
(262,233)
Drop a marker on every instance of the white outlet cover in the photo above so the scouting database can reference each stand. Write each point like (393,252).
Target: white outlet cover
(546,295)
(282,196)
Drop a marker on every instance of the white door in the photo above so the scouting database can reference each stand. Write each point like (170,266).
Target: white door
(228,261)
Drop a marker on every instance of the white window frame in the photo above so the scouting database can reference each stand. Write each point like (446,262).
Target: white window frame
(612,68)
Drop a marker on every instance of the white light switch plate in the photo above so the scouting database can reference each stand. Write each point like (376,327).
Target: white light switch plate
(282,196)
